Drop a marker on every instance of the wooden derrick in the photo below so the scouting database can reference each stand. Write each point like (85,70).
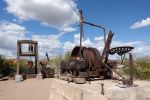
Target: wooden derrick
(32,52)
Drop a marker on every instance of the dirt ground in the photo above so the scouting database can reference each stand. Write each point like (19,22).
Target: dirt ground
(30,89)
(37,89)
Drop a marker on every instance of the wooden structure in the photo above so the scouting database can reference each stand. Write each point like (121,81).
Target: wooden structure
(32,52)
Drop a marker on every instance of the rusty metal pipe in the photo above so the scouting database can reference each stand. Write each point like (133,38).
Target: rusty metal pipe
(98,27)
(130,70)
(115,72)
(82,22)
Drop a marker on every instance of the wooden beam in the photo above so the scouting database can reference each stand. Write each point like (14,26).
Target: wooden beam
(18,51)
(27,41)
(130,69)
(34,53)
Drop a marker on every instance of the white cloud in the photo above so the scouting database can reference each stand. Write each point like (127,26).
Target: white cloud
(55,13)
(77,39)
(142,50)
(67,29)
(101,38)
(50,43)
(44,41)
(11,28)
(76,42)
(7,53)
(140,47)
(9,34)
(140,24)
(68,45)
(99,43)
(87,42)
(121,43)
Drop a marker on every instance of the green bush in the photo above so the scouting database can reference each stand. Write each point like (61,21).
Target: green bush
(6,68)
(23,65)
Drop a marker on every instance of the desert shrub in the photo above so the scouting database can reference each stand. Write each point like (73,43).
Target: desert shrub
(141,68)
(23,65)
(8,67)
(55,62)
(67,56)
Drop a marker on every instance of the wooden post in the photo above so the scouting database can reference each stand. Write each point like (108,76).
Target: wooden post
(36,65)
(107,47)
(81,31)
(130,69)
(37,60)
(18,50)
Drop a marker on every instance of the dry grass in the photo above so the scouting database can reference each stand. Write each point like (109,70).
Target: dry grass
(141,68)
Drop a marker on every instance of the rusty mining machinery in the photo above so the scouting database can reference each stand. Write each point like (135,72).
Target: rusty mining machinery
(87,63)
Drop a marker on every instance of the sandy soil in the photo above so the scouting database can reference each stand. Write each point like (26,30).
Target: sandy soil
(30,89)
(36,89)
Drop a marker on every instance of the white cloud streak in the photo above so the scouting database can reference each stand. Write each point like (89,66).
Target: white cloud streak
(67,29)
(11,32)
(140,47)
(140,24)
(76,42)
(56,13)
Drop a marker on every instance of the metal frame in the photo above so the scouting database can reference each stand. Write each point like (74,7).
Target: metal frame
(82,22)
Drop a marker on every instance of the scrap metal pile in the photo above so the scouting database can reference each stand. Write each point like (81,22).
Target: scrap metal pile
(87,63)
(47,72)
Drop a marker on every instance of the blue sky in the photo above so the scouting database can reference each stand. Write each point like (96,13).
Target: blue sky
(118,16)
(54,24)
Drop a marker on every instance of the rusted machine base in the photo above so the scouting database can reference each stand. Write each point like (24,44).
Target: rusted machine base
(80,80)
(66,78)
(18,78)
(30,76)
(71,78)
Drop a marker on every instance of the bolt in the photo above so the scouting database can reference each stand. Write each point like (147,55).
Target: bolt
(102,87)
(68,81)
(89,81)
